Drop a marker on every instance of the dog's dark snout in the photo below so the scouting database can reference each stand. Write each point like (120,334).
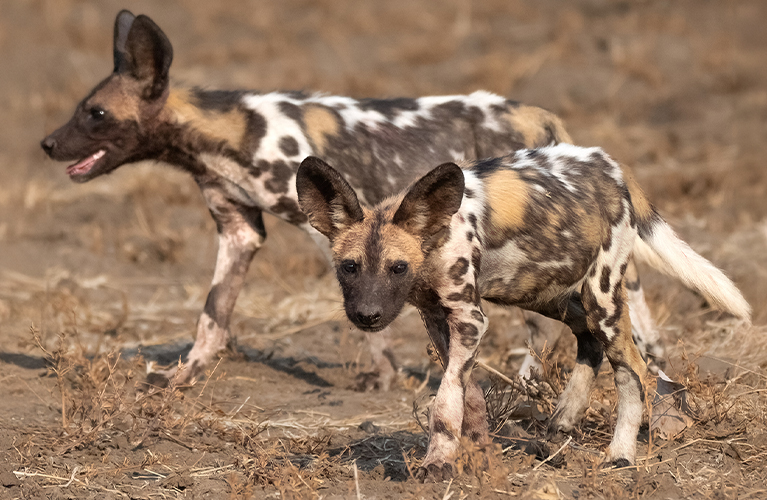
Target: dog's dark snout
(48,144)
(368,318)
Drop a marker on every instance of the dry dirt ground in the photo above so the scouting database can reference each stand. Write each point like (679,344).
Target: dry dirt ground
(97,280)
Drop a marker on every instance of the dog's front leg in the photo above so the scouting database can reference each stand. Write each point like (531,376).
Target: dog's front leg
(459,408)
(240,234)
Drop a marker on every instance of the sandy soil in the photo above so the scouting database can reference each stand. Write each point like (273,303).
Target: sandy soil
(96,280)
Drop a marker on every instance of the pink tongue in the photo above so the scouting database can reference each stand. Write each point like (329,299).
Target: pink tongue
(84,166)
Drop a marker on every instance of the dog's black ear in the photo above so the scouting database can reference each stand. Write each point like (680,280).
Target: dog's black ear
(429,205)
(142,50)
(326,198)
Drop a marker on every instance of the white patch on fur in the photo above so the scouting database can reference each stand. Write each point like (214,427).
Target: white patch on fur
(211,339)
(230,247)
(485,101)
(623,444)
(278,125)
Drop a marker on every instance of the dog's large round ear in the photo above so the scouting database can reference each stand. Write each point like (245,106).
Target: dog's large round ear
(326,198)
(429,205)
(142,51)
(123,23)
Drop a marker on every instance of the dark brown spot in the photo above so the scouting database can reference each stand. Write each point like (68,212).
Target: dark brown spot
(255,131)
(468,365)
(468,333)
(476,260)
(291,110)
(288,209)
(458,269)
(604,280)
(439,427)
(468,294)
(289,146)
(477,315)
(473,221)
(259,168)
(281,175)
(215,303)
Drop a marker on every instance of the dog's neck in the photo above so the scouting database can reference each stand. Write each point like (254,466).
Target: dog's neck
(194,123)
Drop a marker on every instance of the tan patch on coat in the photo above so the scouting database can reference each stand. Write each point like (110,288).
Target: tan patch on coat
(642,206)
(229,126)
(120,97)
(536,125)
(508,197)
(591,227)
(320,123)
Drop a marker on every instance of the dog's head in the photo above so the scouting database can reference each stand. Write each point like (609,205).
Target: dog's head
(378,253)
(113,124)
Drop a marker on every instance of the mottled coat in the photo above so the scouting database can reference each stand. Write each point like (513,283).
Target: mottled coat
(243,149)
(550,230)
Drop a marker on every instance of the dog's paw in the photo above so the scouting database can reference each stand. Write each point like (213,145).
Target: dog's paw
(618,463)
(155,381)
(158,379)
(435,473)
(557,432)
(373,381)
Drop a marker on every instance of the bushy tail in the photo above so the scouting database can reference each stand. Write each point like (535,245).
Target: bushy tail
(660,247)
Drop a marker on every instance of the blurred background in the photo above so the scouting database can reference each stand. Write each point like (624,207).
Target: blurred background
(675,89)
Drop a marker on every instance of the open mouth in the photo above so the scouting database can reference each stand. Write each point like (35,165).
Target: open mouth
(86,164)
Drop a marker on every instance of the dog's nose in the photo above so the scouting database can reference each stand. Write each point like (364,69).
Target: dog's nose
(48,144)
(368,319)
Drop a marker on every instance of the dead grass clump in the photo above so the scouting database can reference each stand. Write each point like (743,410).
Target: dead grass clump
(94,391)
(103,396)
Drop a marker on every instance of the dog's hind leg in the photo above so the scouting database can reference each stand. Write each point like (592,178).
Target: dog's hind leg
(643,327)
(543,333)
(604,298)
(575,398)
(546,331)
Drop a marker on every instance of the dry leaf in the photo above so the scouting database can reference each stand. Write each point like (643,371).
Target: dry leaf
(671,414)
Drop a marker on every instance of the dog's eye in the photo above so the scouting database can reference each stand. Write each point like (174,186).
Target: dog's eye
(98,114)
(399,267)
(349,266)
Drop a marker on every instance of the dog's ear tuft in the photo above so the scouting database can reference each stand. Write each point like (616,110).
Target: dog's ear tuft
(326,198)
(429,205)
(142,51)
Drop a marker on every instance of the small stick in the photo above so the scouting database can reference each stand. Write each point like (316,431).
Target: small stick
(570,438)
(357,481)
(498,374)
(72,477)
(447,495)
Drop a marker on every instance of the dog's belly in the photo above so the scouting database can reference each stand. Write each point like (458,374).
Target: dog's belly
(508,276)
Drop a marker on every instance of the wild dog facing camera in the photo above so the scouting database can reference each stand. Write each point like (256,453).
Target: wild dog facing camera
(378,256)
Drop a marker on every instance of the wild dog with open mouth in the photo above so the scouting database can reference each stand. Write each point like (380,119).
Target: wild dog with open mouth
(243,149)
(550,230)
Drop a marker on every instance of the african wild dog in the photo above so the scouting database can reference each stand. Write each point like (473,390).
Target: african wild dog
(243,149)
(550,230)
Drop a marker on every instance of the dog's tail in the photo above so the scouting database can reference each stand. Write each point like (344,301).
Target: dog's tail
(661,248)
